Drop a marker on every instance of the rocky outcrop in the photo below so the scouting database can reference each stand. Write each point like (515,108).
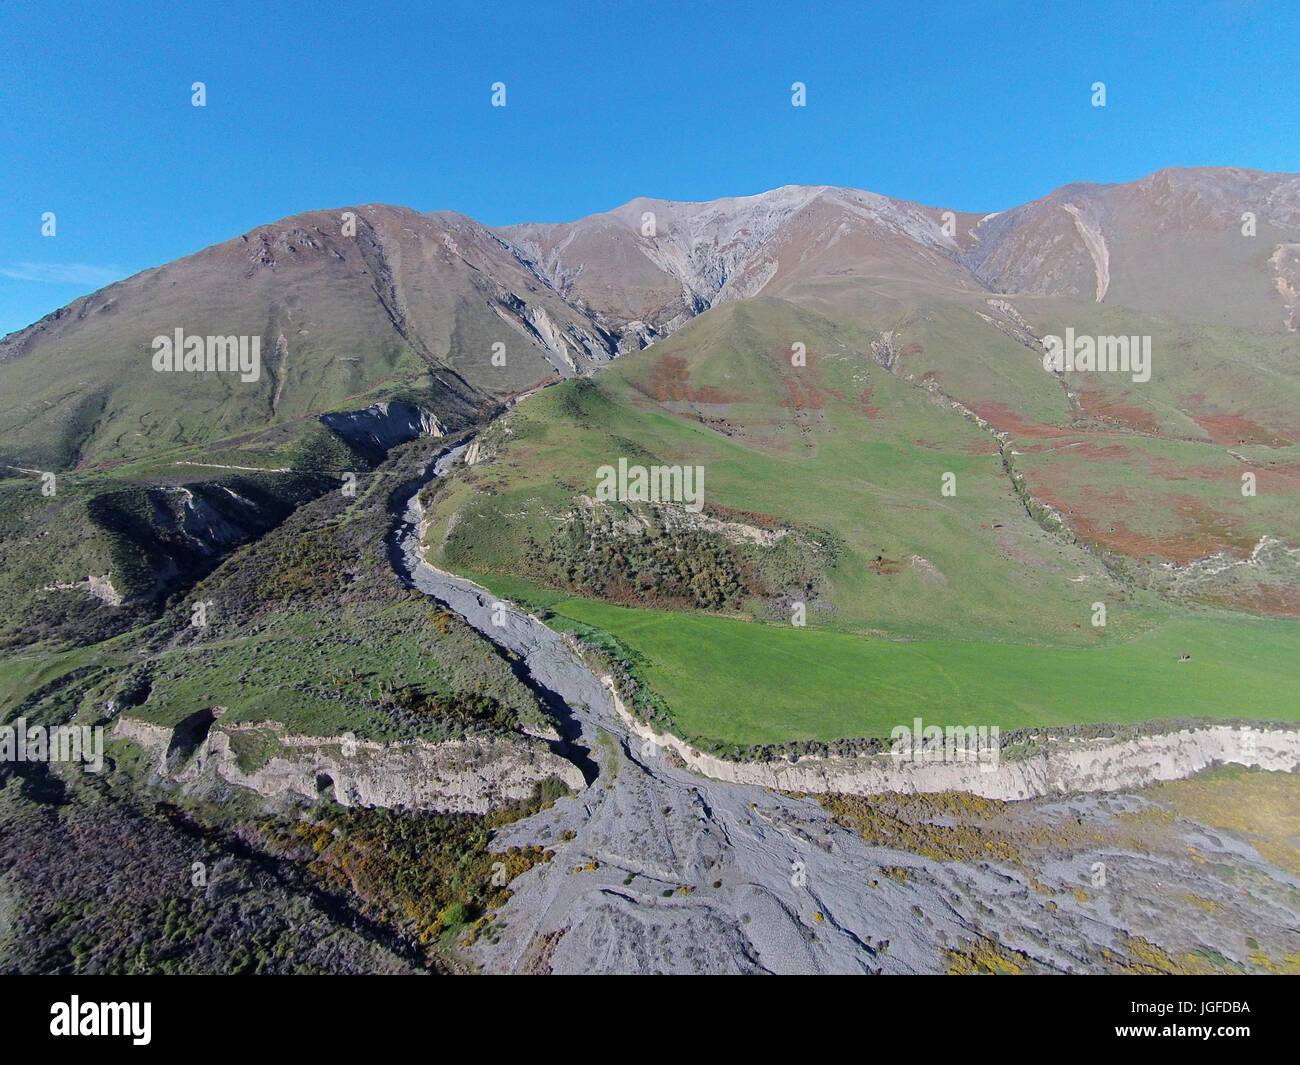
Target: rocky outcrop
(381,426)
(95,587)
(470,775)
(161,535)
(1093,240)
(678,517)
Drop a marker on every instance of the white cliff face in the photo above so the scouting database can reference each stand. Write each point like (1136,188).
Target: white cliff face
(1090,234)
(472,775)
(553,337)
(1068,765)
(705,246)
(561,346)
(722,250)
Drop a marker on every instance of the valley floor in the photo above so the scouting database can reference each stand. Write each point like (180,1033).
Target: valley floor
(658,869)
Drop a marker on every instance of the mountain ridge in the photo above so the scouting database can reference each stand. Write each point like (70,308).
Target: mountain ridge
(464,316)
(639,202)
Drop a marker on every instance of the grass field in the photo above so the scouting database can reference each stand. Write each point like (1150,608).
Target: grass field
(736,682)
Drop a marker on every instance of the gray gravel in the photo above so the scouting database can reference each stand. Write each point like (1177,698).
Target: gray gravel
(796,891)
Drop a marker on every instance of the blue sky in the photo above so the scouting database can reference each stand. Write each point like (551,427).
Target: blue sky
(975,106)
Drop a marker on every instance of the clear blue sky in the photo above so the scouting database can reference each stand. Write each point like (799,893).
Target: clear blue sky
(970,105)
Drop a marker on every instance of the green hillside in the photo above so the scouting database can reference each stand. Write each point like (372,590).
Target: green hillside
(977,607)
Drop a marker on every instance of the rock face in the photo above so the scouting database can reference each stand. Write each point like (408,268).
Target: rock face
(172,532)
(1286,261)
(1068,765)
(383,425)
(649,266)
(95,587)
(471,775)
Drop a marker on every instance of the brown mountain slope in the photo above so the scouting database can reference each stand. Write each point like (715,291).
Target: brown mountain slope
(417,304)
(410,301)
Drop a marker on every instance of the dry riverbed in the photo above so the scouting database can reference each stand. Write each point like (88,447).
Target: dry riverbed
(661,869)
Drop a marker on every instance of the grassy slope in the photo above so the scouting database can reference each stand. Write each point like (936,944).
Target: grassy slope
(734,682)
(123,524)
(308,623)
(802,446)
(307,626)
(872,480)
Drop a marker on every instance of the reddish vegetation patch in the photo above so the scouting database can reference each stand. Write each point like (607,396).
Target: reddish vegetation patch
(802,395)
(864,406)
(861,406)
(1169,470)
(748,517)
(669,382)
(1112,411)
(1279,480)
(1003,418)
(1233,429)
(1281,601)
(1273,480)
(1200,531)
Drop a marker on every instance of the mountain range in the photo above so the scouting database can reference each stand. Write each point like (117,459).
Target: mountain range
(413,304)
(363,632)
